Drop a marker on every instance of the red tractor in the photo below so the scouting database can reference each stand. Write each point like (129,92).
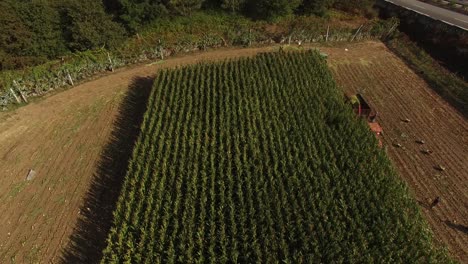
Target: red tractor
(362,109)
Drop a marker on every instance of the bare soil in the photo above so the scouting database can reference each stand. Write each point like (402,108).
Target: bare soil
(397,93)
(78,143)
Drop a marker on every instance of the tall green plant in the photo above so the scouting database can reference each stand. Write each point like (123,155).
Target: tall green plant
(259,160)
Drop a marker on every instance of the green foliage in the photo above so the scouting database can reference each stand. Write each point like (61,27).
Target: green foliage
(196,27)
(88,26)
(272,9)
(233,5)
(15,36)
(354,6)
(32,32)
(29,33)
(135,13)
(44,23)
(259,160)
(316,7)
(185,7)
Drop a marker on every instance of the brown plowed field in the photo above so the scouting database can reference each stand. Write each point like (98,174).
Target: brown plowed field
(397,94)
(67,139)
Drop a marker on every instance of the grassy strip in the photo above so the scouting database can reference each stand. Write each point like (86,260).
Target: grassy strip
(447,84)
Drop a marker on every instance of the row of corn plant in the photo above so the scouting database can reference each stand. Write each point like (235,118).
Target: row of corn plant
(259,160)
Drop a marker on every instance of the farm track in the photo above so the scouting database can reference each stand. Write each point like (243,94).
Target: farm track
(62,138)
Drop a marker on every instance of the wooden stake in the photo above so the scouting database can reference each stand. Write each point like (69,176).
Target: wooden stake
(110,62)
(328,30)
(70,78)
(357,32)
(391,30)
(16,97)
(20,92)
(22,95)
(161,50)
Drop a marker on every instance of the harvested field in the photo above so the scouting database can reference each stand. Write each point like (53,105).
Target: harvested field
(67,139)
(398,94)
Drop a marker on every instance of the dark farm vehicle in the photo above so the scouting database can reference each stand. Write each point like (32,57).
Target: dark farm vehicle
(362,109)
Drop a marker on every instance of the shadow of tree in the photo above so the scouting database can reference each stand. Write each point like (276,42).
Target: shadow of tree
(89,236)
(461,228)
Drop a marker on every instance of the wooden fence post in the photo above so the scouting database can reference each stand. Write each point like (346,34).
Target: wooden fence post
(161,50)
(328,30)
(22,95)
(391,30)
(110,62)
(16,85)
(70,78)
(357,32)
(16,97)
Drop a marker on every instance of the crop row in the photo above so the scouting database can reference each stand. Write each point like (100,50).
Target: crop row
(260,160)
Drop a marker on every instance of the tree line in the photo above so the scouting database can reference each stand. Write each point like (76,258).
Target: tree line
(34,31)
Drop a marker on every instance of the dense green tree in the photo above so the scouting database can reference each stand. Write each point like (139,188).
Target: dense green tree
(271,9)
(135,13)
(185,7)
(112,6)
(233,5)
(212,4)
(87,26)
(316,7)
(354,6)
(43,21)
(30,33)
(33,31)
(15,36)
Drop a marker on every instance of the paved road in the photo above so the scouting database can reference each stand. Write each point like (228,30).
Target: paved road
(435,12)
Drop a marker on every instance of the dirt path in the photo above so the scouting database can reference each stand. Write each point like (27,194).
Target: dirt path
(62,138)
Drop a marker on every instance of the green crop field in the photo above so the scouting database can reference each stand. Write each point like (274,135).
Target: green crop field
(259,160)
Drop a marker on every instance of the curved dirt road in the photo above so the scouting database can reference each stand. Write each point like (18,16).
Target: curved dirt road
(62,138)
